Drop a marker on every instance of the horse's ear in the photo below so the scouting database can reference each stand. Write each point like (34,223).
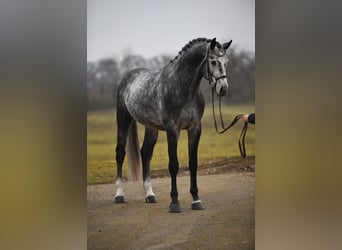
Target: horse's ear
(213,43)
(226,45)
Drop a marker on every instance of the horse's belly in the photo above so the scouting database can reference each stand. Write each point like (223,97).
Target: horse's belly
(147,117)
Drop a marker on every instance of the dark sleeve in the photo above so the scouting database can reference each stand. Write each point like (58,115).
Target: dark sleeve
(251,118)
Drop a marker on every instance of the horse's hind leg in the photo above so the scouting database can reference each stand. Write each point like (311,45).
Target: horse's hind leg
(123,123)
(150,139)
(194,135)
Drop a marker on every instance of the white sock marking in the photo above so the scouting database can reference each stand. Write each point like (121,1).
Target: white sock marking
(148,188)
(118,185)
(198,201)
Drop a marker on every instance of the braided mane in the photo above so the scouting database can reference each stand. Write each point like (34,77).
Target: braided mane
(189,45)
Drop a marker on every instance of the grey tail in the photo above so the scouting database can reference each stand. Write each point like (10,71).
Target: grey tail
(133,153)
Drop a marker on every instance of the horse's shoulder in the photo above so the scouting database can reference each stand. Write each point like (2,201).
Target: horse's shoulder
(200,101)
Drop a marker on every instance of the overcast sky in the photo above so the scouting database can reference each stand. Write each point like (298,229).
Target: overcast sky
(152,27)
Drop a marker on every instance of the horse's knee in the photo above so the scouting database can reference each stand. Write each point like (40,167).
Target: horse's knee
(120,153)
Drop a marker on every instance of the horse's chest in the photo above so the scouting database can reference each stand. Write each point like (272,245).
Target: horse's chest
(186,117)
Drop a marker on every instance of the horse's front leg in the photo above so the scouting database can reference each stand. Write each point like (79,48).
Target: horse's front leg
(172,140)
(194,134)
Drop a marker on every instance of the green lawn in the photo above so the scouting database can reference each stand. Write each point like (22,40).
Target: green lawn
(101,142)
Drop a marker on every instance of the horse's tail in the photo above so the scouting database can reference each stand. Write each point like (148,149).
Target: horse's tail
(133,152)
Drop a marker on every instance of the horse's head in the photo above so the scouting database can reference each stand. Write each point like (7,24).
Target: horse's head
(216,64)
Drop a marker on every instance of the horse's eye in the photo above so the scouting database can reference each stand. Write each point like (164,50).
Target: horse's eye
(213,63)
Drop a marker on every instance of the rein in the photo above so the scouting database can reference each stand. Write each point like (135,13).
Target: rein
(242,146)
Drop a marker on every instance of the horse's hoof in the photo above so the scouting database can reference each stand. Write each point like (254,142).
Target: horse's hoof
(119,199)
(151,199)
(197,205)
(175,208)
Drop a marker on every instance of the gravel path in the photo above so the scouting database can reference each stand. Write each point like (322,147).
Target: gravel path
(226,223)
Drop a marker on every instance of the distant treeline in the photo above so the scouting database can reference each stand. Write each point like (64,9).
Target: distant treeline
(103,77)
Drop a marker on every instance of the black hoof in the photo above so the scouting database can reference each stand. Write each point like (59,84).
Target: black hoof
(175,208)
(119,199)
(197,206)
(151,199)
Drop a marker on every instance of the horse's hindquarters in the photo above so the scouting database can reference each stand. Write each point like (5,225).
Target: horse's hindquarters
(143,99)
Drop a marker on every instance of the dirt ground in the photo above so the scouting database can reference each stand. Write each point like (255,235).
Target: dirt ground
(226,188)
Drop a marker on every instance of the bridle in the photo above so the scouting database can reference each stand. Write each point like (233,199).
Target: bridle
(210,74)
(238,117)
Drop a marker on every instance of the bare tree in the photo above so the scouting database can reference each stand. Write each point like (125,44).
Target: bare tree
(102,78)
(130,62)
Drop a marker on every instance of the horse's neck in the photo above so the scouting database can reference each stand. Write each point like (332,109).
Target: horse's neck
(189,69)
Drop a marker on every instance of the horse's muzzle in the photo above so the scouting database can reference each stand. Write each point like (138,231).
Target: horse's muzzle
(223,91)
(221,88)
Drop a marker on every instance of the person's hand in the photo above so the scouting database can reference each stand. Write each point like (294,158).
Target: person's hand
(245,117)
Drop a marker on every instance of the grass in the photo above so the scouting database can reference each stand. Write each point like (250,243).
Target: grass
(101,142)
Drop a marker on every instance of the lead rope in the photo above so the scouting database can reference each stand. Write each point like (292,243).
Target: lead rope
(242,146)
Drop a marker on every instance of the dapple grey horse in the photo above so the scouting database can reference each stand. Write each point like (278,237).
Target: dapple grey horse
(170,100)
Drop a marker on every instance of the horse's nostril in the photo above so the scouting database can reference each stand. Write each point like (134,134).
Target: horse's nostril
(223,91)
